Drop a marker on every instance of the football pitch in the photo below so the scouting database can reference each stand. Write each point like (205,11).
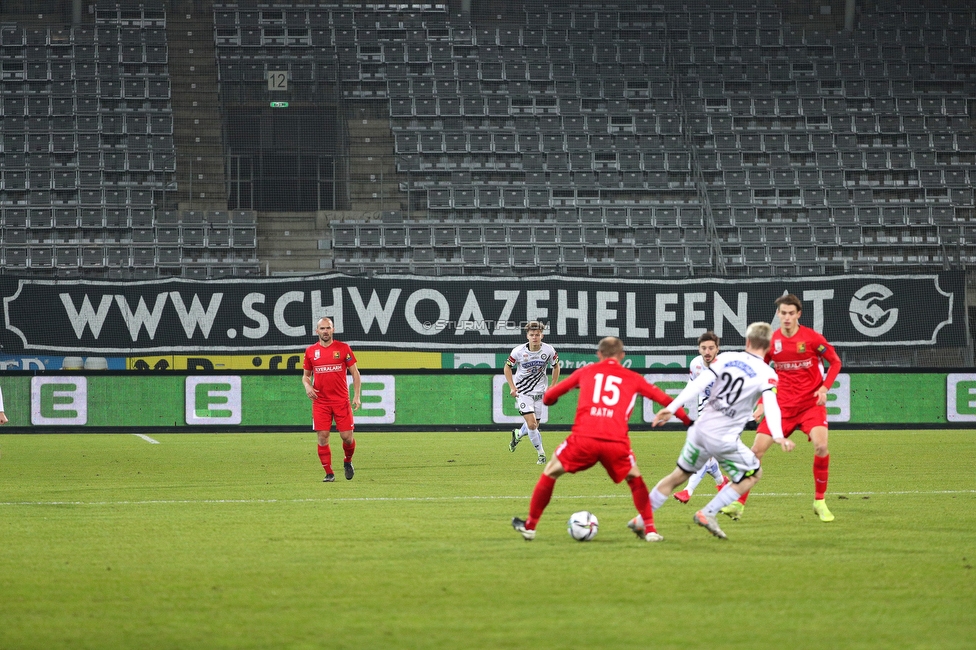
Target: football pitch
(233,541)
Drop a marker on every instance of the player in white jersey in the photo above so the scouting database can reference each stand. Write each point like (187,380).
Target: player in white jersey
(529,382)
(738,380)
(708,349)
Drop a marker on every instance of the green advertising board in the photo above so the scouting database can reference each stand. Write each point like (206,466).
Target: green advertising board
(467,399)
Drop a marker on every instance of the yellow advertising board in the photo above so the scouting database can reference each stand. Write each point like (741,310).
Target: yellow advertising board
(286,361)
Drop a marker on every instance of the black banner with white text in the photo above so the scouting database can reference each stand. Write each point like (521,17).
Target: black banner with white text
(412,313)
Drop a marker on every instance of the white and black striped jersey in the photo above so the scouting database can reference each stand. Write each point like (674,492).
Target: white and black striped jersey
(529,368)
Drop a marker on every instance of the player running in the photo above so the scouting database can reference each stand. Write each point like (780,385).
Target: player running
(324,380)
(737,380)
(798,353)
(607,395)
(529,383)
(708,344)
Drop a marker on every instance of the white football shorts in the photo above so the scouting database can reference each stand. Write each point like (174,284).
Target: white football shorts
(735,459)
(530,404)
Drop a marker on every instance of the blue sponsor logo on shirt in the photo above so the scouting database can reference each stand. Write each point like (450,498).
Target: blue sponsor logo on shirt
(741,365)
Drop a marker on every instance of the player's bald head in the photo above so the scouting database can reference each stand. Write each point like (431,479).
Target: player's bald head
(609,347)
(324,319)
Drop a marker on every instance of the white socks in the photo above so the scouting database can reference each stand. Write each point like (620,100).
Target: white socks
(722,499)
(695,479)
(536,439)
(657,499)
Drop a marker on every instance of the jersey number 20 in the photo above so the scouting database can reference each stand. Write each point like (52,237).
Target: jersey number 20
(732,390)
(607,391)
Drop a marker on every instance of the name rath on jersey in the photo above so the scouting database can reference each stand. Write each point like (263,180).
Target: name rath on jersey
(601,411)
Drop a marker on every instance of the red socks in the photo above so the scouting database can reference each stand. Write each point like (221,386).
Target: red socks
(642,501)
(348,449)
(821,466)
(540,499)
(325,455)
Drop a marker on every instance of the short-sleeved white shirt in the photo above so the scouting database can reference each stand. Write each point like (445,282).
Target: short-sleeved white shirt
(530,367)
(695,369)
(740,379)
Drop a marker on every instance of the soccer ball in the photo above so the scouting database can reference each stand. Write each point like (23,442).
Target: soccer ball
(582,526)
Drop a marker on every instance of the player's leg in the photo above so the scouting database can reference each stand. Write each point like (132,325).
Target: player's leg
(743,469)
(713,468)
(541,495)
(689,462)
(344,422)
(685,495)
(667,485)
(762,443)
(325,455)
(691,459)
(618,459)
(321,424)
(517,435)
(535,436)
(524,406)
(821,467)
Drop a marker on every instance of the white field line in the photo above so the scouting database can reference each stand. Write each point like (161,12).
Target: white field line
(407,499)
(146,438)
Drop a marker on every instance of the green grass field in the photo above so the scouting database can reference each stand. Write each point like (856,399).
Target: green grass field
(233,541)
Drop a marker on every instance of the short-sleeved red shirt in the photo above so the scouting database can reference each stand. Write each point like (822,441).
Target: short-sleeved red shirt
(607,395)
(328,365)
(799,365)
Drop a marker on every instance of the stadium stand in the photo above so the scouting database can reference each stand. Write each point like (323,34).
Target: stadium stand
(742,146)
(89,156)
(667,139)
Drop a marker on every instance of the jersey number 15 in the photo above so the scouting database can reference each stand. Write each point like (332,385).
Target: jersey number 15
(606,391)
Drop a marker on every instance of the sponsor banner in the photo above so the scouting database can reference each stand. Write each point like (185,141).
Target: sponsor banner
(175,401)
(44,362)
(961,397)
(465,314)
(365,360)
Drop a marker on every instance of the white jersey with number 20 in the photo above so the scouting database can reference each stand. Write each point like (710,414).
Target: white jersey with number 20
(739,379)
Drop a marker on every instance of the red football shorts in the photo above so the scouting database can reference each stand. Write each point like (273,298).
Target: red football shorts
(324,412)
(577,453)
(805,421)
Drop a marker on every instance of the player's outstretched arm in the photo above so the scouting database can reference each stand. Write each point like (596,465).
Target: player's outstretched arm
(691,390)
(558,390)
(555,374)
(774,420)
(652,392)
(661,417)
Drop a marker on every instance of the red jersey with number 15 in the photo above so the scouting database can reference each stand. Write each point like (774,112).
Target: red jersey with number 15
(608,392)
(328,365)
(799,365)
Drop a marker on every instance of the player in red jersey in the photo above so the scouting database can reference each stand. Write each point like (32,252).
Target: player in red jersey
(798,353)
(608,392)
(324,379)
